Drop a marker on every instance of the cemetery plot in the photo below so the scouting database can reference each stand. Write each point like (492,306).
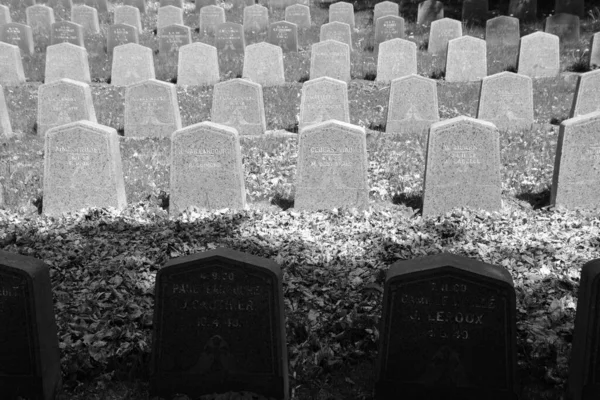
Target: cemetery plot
(263,64)
(198,65)
(132,63)
(323,99)
(413,105)
(238,103)
(396,58)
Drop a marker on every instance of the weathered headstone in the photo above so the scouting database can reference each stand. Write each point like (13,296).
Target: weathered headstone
(332,167)
(120,34)
(466,60)
(396,58)
(175,3)
(128,15)
(323,99)
(330,58)
(240,4)
(524,10)
(587,94)
(100,5)
(285,35)
(462,167)
(4,15)
(506,100)
(429,11)
(238,103)
(298,14)
(539,55)
(139,4)
(87,17)
(263,64)
(278,4)
(595,51)
(172,37)
(18,34)
(132,63)
(169,15)
(474,11)
(210,18)
(445,318)
(336,31)
(502,41)
(206,168)
(565,26)
(229,38)
(67,32)
(575,7)
(219,325)
(5,126)
(29,355)
(199,4)
(62,102)
(442,31)
(576,179)
(342,12)
(65,5)
(385,8)
(40,18)
(82,168)
(256,20)
(413,105)
(66,60)
(151,109)
(198,65)
(11,65)
(387,28)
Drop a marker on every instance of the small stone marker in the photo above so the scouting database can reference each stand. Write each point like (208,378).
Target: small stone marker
(82,168)
(396,58)
(175,3)
(198,65)
(5,127)
(40,18)
(330,58)
(151,109)
(502,41)
(65,60)
(132,63)
(323,99)
(385,8)
(576,180)
(139,4)
(413,105)
(11,65)
(4,15)
(342,12)
(595,51)
(169,15)
(442,31)
(298,14)
(29,356)
(100,5)
(539,55)
(506,100)
(587,94)
(87,17)
(575,7)
(230,38)
(474,11)
(120,34)
(128,15)
(565,26)
(67,32)
(210,18)
(263,64)
(462,167)
(18,34)
(387,28)
(466,60)
(524,10)
(256,20)
(62,102)
(332,167)
(219,324)
(285,35)
(238,103)
(172,37)
(429,11)
(336,31)
(206,168)
(445,317)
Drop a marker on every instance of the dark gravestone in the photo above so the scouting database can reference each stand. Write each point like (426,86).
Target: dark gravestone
(565,26)
(65,31)
(448,331)
(285,35)
(525,10)
(429,11)
(502,42)
(575,7)
(229,38)
(19,35)
(120,34)
(29,355)
(387,28)
(219,326)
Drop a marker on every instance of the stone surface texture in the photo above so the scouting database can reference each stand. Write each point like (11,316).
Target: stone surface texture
(263,64)
(132,63)
(539,55)
(396,58)
(323,99)
(441,32)
(11,65)
(198,65)
(466,60)
(587,94)
(330,58)
(238,103)
(66,60)
(413,106)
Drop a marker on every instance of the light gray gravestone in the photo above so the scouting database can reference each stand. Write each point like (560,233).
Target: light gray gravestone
(210,18)
(11,65)
(565,26)
(128,15)
(342,12)
(263,64)
(285,35)
(169,15)
(65,5)
(62,102)
(151,109)
(387,28)
(198,65)
(298,14)
(502,41)
(330,58)
(595,50)
(506,100)
(5,127)
(441,32)
(332,167)
(100,5)
(171,38)
(466,60)
(120,34)
(18,34)
(385,8)
(575,7)
(474,11)
(4,15)
(539,55)
(587,94)
(132,63)
(139,4)
(238,103)
(175,3)
(229,38)
(206,168)
(336,31)
(323,99)
(413,105)
(256,19)
(524,10)
(67,32)
(576,179)
(87,17)
(396,58)
(65,60)
(40,18)
(429,11)
(462,167)
(82,168)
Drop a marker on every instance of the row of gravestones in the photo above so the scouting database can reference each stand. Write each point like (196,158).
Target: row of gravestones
(448,329)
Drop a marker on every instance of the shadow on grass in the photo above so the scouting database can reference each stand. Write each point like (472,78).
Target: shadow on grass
(536,199)
(412,200)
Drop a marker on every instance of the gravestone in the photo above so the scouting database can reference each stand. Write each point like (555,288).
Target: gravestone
(474,11)
(413,106)
(62,102)
(120,34)
(298,14)
(40,18)
(462,167)
(169,15)
(82,168)
(219,325)
(385,8)
(11,65)
(256,20)
(63,5)
(128,15)
(330,58)
(575,7)
(387,28)
(565,26)
(342,12)
(139,4)
(323,99)
(285,35)
(506,100)
(502,41)
(587,94)
(18,34)
(595,51)
(524,10)
(100,5)
(240,4)
(263,64)
(29,356)
(429,11)
(4,15)
(67,32)
(539,55)
(173,37)
(448,330)
(175,3)
(336,31)
(466,60)
(396,58)
(238,103)
(199,4)
(198,65)
(151,109)
(87,17)
(206,168)
(332,167)
(576,179)
(229,38)
(278,4)
(5,127)
(132,63)
(210,18)
(65,60)
(442,31)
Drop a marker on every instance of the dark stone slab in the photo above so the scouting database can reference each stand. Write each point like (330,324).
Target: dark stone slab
(565,26)
(29,355)
(66,31)
(219,326)
(448,331)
